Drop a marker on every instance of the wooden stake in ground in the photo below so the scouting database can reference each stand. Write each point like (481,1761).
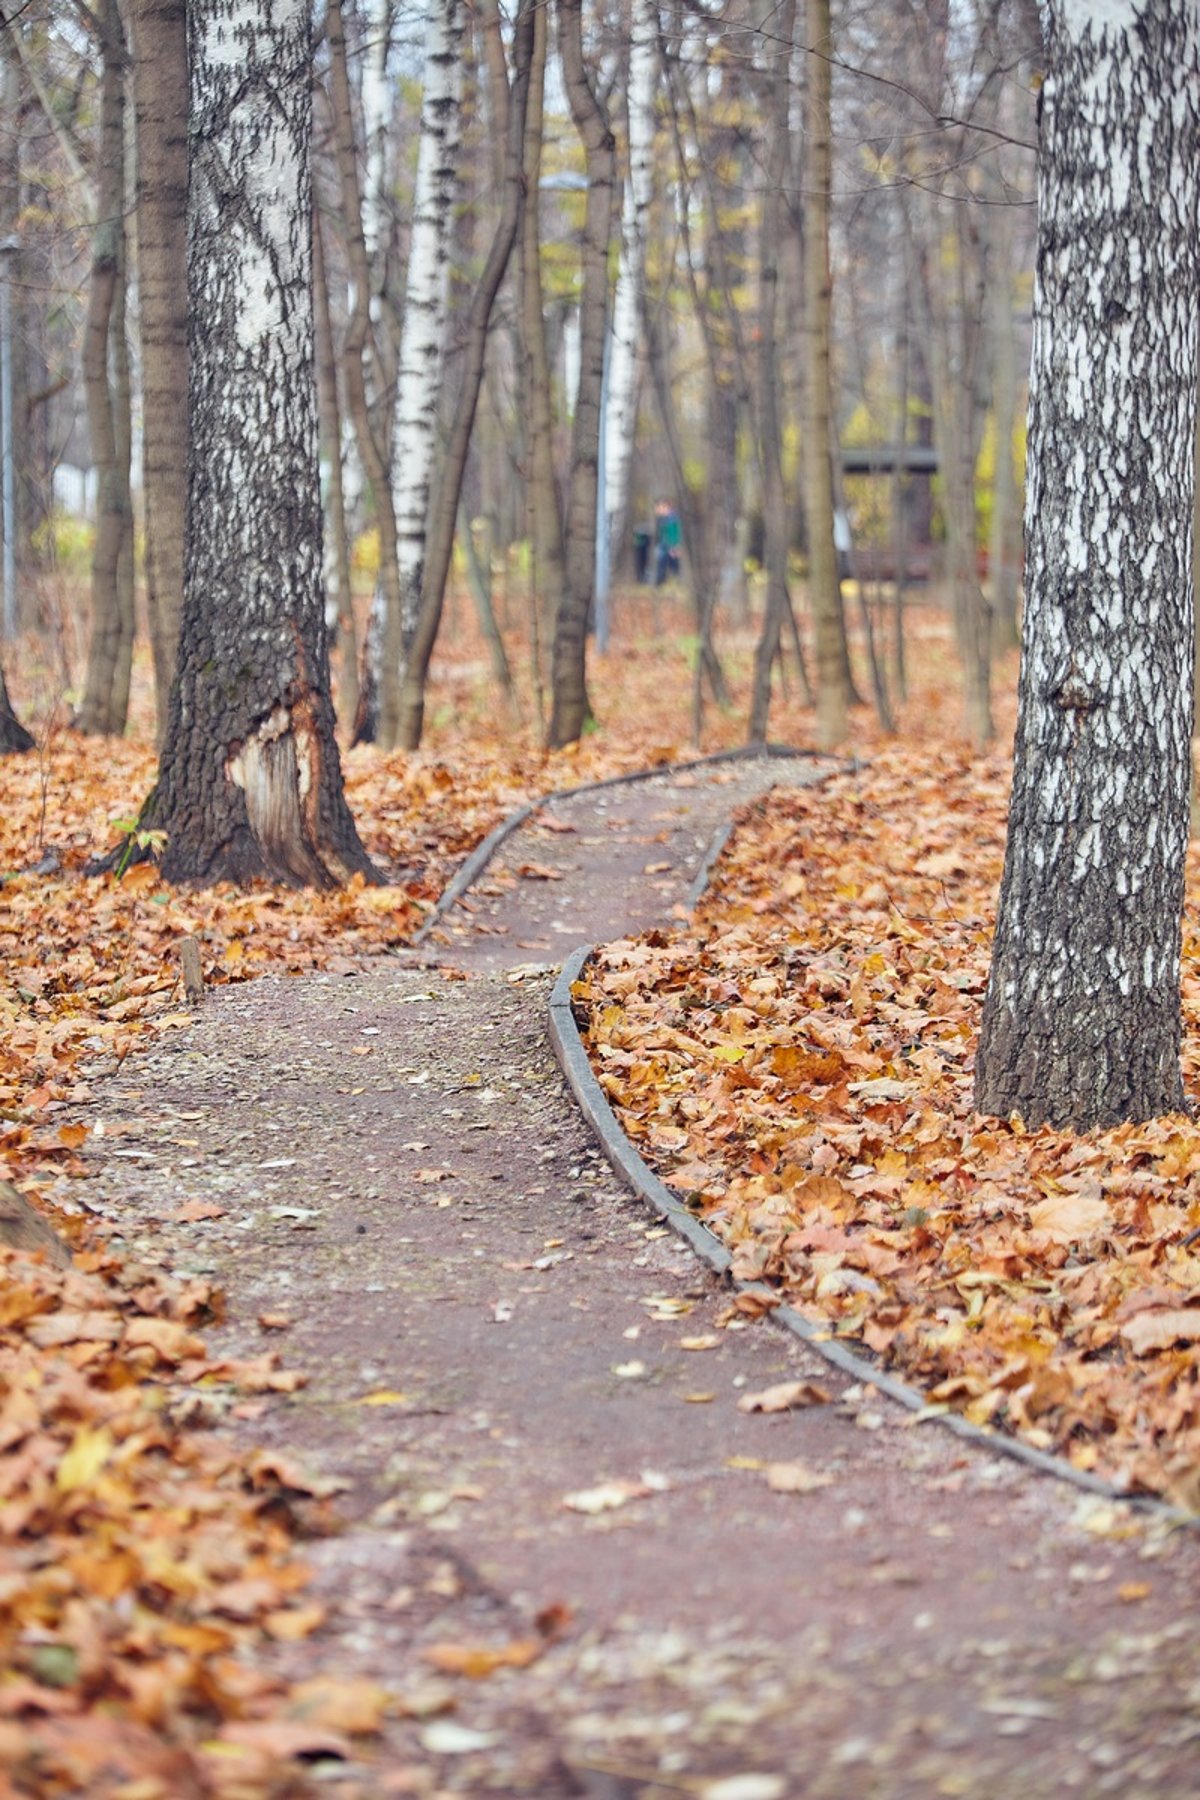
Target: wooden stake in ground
(1081,1025)
(22,1227)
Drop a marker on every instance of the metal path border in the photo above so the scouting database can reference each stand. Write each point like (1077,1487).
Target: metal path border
(468,872)
(641,1179)
(646,1185)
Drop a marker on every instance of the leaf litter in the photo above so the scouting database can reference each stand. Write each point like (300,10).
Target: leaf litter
(797,1063)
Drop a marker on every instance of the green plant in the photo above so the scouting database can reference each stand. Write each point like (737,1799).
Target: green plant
(137,837)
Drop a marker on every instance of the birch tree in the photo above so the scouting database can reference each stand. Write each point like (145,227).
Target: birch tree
(414,439)
(250,783)
(1081,1025)
(625,332)
(511,100)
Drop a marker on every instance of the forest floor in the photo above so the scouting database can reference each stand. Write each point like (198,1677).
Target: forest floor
(550,1548)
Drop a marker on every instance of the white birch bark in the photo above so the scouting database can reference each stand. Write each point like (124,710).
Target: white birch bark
(1081,1025)
(621,416)
(376,112)
(249,782)
(422,338)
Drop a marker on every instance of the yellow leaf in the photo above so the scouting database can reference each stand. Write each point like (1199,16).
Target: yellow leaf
(383,1397)
(478,1661)
(80,1465)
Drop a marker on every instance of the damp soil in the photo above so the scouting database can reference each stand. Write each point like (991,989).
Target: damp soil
(491,1327)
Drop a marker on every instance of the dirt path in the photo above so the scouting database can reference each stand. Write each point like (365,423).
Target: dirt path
(400,1172)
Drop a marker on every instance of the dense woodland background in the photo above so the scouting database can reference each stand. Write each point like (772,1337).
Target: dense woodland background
(772,263)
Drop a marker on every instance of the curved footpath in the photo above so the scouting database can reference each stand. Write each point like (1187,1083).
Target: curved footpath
(531,1390)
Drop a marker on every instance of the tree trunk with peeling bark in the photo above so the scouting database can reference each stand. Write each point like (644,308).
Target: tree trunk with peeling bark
(1081,1026)
(250,783)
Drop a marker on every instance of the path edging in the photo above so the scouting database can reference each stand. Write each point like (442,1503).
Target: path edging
(647,1186)
(472,868)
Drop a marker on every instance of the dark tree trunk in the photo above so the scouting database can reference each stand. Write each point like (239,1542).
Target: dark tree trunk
(1081,1026)
(13,735)
(250,783)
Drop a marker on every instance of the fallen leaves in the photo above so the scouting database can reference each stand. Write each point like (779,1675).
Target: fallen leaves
(796,1478)
(797,1063)
(784,1396)
(140,1556)
(477,1661)
(607,1496)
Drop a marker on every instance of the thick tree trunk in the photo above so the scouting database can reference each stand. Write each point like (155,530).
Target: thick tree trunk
(440,542)
(825,592)
(422,340)
(160,84)
(571,708)
(250,783)
(1081,1024)
(106,691)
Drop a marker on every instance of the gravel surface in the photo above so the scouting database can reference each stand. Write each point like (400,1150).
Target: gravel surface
(826,1601)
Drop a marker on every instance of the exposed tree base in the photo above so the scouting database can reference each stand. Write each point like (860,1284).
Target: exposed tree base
(273,817)
(1038,1069)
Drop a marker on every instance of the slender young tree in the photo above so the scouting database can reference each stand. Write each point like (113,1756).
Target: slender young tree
(512,100)
(365,376)
(160,85)
(628,300)
(106,384)
(571,708)
(418,390)
(775,513)
(546,535)
(250,783)
(829,620)
(1081,1025)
